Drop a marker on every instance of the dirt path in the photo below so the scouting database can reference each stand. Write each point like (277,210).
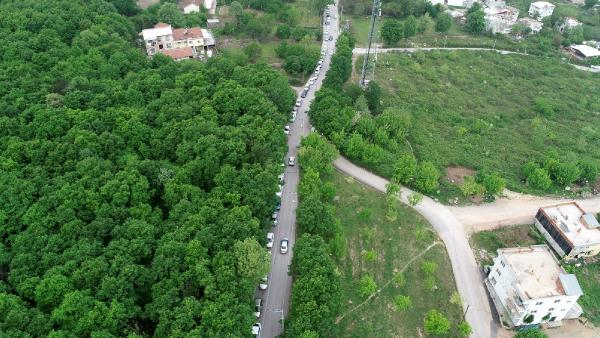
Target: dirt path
(453,224)
(468,276)
(515,209)
(360,51)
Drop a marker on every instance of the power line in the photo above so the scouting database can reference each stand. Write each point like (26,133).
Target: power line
(374,14)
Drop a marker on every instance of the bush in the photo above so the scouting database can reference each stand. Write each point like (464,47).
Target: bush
(539,179)
(436,323)
(367,286)
(443,23)
(402,303)
(567,173)
(531,333)
(464,329)
(470,187)
(427,177)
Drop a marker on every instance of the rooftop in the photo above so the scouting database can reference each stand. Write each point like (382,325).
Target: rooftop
(586,51)
(187,33)
(160,29)
(579,228)
(180,53)
(538,272)
(540,4)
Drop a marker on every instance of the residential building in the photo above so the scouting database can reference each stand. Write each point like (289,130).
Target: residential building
(568,24)
(454,3)
(528,287)
(570,231)
(541,9)
(162,38)
(534,25)
(500,20)
(190,6)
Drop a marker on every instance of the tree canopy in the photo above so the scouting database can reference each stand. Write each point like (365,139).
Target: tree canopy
(134,190)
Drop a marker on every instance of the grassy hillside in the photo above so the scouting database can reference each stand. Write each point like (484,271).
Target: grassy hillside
(380,248)
(483,110)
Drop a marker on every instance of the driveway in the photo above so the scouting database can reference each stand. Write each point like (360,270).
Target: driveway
(277,296)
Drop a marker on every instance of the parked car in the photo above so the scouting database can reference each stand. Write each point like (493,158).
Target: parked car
(304,92)
(283,247)
(331,38)
(256,328)
(281,178)
(270,240)
(292,161)
(278,206)
(286,130)
(264,283)
(274,216)
(280,192)
(257,307)
(298,102)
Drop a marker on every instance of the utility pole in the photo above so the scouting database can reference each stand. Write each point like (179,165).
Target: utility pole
(374,12)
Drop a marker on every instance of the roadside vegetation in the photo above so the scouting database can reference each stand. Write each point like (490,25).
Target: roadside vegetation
(399,264)
(525,123)
(486,243)
(417,23)
(135,192)
(283,34)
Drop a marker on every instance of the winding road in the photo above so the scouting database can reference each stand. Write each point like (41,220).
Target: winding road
(454,223)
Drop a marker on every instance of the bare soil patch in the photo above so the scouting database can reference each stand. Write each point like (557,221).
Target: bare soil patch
(456,174)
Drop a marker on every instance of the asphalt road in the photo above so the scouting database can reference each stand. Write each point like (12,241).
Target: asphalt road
(276,299)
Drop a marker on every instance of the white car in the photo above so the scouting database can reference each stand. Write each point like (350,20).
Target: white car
(286,130)
(270,240)
(283,248)
(257,307)
(281,178)
(311,81)
(320,62)
(280,191)
(274,216)
(256,328)
(264,283)
(292,161)
(298,102)
(293,119)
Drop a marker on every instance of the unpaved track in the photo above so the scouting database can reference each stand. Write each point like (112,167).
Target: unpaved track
(454,223)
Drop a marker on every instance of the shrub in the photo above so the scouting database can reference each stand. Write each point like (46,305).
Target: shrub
(427,177)
(367,286)
(403,303)
(436,323)
(567,173)
(539,179)
(464,329)
(443,22)
(405,169)
(531,333)
(471,187)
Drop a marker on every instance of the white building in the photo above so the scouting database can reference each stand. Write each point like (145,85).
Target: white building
(194,42)
(454,3)
(190,6)
(534,25)
(570,231)
(541,9)
(568,24)
(529,287)
(500,20)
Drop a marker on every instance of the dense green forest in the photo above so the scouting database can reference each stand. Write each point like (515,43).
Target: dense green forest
(133,190)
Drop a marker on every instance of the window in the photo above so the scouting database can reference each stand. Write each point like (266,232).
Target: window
(539,303)
(551,309)
(493,280)
(168,45)
(557,301)
(498,272)
(534,311)
(502,262)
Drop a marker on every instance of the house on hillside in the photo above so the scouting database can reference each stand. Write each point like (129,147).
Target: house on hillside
(190,6)
(568,24)
(500,20)
(454,3)
(178,43)
(540,9)
(534,25)
(570,231)
(529,287)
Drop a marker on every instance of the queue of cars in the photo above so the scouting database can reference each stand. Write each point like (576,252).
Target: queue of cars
(284,242)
